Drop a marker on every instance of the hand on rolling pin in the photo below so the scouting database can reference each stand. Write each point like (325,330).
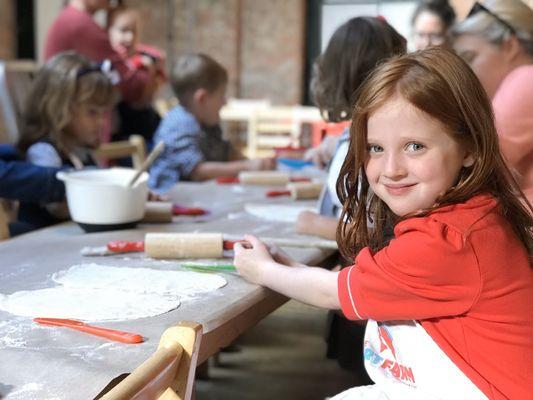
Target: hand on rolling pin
(252,257)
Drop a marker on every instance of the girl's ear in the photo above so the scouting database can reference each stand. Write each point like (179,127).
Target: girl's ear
(468,159)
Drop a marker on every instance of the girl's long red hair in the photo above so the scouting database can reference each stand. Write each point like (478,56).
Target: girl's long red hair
(441,84)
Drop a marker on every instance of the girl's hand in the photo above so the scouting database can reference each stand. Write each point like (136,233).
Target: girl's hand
(251,259)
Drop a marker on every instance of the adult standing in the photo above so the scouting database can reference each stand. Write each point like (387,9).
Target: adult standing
(75,29)
(431,21)
(496,39)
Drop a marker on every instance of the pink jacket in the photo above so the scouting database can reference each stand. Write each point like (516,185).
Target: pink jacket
(513,112)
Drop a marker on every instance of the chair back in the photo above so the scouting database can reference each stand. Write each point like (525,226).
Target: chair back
(15,82)
(169,372)
(4,223)
(135,147)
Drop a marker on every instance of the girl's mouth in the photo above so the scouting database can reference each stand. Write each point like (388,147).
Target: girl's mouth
(399,189)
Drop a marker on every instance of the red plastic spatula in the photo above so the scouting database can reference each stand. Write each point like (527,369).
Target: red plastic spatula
(111,334)
(192,211)
(278,193)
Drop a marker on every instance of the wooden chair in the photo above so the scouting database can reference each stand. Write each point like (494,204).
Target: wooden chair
(279,126)
(4,223)
(134,147)
(169,373)
(15,82)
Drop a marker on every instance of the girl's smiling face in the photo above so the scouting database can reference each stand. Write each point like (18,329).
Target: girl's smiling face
(412,159)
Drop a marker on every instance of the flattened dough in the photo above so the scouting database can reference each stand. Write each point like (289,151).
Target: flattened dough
(276,212)
(93,292)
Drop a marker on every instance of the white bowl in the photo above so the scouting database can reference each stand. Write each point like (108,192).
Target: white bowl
(99,199)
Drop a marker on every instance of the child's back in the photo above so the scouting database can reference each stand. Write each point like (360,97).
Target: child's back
(195,149)
(188,143)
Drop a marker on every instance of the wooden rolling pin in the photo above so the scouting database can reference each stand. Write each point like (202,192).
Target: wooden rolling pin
(158,212)
(162,212)
(274,178)
(305,191)
(299,191)
(194,245)
(184,245)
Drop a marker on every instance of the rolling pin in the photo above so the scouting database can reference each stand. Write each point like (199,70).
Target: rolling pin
(305,191)
(162,212)
(274,178)
(158,212)
(195,245)
(299,191)
(184,245)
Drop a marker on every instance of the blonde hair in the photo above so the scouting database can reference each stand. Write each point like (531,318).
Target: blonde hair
(439,83)
(66,81)
(514,12)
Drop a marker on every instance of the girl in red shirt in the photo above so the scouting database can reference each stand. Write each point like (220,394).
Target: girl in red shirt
(449,299)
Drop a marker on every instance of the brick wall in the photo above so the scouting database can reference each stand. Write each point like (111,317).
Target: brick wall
(7,30)
(261,43)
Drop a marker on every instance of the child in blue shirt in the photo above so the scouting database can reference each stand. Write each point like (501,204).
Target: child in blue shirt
(195,149)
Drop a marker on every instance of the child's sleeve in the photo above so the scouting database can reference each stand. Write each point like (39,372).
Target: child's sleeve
(429,271)
(44,155)
(181,155)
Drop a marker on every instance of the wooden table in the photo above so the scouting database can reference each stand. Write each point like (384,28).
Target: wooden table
(56,363)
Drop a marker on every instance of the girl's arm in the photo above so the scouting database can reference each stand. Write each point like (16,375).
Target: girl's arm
(311,223)
(311,285)
(215,169)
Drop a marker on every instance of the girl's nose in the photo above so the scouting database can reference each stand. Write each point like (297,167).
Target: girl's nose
(394,166)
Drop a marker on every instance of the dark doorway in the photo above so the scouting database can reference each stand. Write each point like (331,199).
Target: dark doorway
(25,29)
(312,43)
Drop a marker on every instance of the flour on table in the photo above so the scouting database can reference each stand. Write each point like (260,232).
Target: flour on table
(276,212)
(95,292)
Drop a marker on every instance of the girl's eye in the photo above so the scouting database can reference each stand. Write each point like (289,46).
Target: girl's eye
(374,148)
(414,147)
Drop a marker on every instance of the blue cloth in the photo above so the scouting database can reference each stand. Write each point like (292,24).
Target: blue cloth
(26,182)
(326,206)
(187,143)
(35,213)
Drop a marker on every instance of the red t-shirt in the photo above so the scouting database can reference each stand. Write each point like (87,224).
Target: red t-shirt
(463,274)
(76,30)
